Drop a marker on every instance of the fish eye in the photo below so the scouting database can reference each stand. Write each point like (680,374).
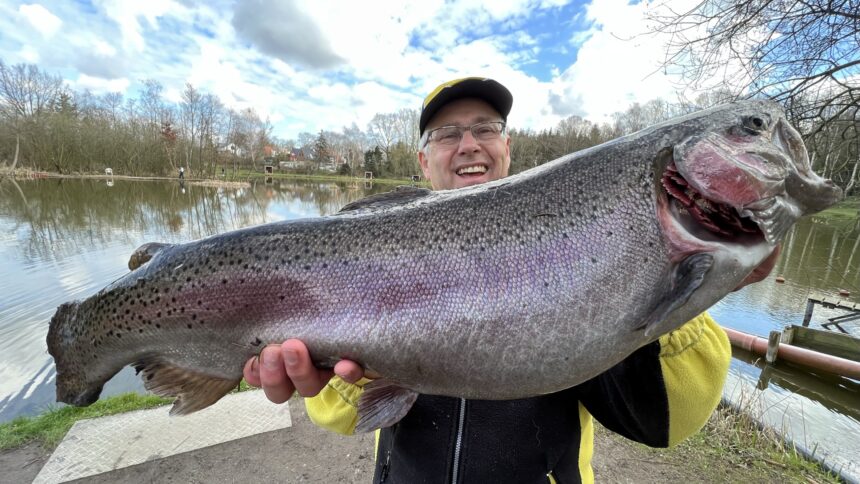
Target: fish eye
(755,124)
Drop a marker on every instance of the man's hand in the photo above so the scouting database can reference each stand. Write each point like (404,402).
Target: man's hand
(760,272)
(283,369)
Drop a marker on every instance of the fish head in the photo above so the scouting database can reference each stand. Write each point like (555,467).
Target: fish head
(76,381)
(749,162)
(729,184)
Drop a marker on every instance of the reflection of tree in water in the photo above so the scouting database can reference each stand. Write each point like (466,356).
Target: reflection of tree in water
(822,254)
(59,217)
(326,198)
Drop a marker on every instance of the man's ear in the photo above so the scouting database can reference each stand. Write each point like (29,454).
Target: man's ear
(424,163)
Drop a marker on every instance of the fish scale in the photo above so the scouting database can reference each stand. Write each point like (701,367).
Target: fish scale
(519,287)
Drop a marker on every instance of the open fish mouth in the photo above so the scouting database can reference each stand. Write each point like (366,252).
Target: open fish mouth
(707,219)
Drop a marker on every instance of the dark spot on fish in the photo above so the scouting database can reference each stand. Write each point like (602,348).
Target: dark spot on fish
(158,325)
(223,281)
(189,325)
(593,260)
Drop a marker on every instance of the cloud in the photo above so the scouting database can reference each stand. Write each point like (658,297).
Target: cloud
(41,19)
(282,30)
(100,85)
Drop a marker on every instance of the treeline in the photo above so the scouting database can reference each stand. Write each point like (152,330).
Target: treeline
(46,126)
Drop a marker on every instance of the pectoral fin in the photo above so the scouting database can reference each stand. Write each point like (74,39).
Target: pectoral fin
(687,277)
(193,391)
(382,404)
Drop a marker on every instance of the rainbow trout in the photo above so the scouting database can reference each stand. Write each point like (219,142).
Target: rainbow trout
(523,286)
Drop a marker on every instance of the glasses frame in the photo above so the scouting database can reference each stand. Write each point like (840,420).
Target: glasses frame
(463,129)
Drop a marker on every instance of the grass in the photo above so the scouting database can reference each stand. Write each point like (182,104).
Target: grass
(245,174)
(847,209)
(49,428)
(732,448)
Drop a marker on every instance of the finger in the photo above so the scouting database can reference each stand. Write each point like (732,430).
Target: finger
(273,375)
(348,370)
(307,379)
(251,372)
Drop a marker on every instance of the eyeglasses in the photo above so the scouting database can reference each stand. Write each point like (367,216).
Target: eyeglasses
(451,135)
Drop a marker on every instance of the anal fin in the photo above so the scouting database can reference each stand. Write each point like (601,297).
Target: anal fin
(193,390)
(688,276)
(382,404)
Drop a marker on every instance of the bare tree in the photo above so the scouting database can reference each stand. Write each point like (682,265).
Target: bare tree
(26,95)
(803,53)
(383,131)
(786,48)
(190,116)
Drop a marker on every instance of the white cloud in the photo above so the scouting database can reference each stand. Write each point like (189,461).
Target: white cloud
(99,85)
(41,19)
(127,14)
(391,55)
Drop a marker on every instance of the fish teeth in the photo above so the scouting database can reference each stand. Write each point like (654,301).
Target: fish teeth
(773,216)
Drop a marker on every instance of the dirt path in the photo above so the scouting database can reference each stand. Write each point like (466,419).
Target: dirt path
(306,453)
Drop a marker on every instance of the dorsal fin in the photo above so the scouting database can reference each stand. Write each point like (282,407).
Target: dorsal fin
(399,196)
(142,254)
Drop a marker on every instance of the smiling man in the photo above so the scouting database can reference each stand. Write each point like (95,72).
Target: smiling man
(659,395)
(463,139)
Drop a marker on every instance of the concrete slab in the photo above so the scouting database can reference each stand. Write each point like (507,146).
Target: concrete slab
(108,443)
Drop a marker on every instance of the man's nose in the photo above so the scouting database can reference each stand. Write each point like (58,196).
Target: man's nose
(468,143)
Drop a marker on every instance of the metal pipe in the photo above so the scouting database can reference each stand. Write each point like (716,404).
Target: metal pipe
(796,354)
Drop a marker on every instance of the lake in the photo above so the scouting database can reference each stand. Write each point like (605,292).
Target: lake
(64,239)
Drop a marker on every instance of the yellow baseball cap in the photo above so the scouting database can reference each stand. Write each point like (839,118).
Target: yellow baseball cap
(484,88)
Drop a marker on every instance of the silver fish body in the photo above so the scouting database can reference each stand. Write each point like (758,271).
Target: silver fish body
(519,287)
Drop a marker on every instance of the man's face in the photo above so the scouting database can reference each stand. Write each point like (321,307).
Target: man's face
(470,162)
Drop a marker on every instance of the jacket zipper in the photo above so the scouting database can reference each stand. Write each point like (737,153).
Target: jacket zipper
(459,442)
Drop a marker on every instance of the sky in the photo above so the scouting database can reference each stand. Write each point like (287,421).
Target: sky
(323,65)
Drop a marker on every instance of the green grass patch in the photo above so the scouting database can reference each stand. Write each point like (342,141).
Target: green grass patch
(846,209)
(50,427)
(245,174)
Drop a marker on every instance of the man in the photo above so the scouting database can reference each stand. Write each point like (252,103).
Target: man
(659,395)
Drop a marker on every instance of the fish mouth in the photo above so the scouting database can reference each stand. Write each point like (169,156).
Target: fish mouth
(704,219)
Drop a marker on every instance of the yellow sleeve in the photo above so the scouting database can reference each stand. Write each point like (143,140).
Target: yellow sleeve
(336,407)
(695,361)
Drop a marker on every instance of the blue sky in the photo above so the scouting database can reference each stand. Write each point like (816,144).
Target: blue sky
(311,65)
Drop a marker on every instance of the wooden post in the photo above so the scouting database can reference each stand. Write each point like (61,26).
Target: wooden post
(772,346)
(810,305)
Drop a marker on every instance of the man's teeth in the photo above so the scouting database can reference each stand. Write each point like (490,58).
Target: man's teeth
(472,169)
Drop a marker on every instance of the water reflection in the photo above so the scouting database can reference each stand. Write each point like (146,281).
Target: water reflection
(62,239)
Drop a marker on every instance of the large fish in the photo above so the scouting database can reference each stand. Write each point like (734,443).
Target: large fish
(519,287)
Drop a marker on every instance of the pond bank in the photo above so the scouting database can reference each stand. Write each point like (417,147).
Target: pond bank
(241,176)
